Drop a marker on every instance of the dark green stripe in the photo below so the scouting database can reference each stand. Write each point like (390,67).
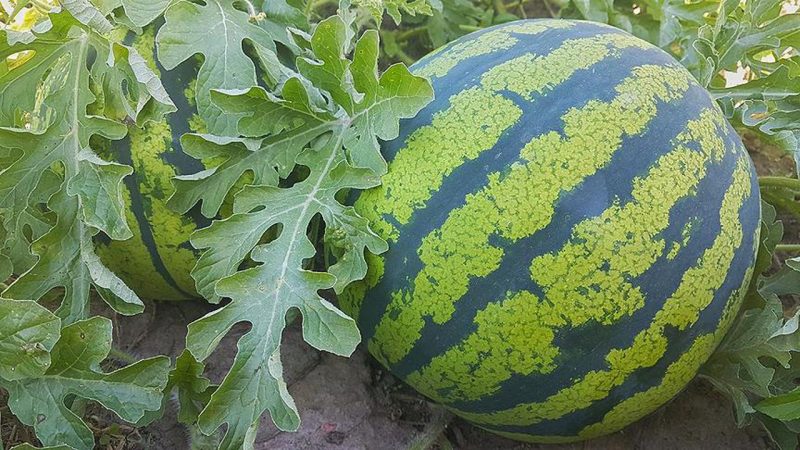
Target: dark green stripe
(122,149)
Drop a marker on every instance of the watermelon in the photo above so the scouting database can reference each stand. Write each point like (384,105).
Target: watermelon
(572,226)
(156,263)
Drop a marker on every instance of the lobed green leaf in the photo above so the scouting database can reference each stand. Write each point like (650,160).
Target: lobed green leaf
(225,64)
(40,401)
(79,86)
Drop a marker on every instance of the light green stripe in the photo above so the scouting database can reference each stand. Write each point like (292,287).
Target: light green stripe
(473,123)
(531,74)
(678,374)
(640,404)
(442,62)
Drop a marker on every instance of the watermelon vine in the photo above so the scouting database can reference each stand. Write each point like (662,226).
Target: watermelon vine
(294,97)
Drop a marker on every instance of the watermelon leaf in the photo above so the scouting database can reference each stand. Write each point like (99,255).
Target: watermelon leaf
(768,105)
(395,8)
(744,362)
(781,407)
(65,88)
(79,86)
(336,139)
(142,12)
(40,401)
(446,22)
(193,391)
(87,14)
(756,365)
(31,447)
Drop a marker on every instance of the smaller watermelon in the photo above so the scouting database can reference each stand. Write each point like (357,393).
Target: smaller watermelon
(156,263)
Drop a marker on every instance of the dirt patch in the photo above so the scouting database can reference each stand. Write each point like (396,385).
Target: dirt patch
(769,159)
(12,430)
(354,404)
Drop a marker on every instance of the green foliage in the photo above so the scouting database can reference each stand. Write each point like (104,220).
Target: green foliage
(46,134)
(451,19)
(194,390)
(225,65)
(447,20)
(142,12)
(28,333)
(63,84)
(756,366)
(30,447)
(40,400)
(395,8)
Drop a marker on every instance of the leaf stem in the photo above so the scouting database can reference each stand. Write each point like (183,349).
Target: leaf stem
(499,7)
(780,182)
(521,6)
(250,8)
(469,28)
(408,34)
(404,58)
(312,6)
(788,248)
(121,356)
(549,8)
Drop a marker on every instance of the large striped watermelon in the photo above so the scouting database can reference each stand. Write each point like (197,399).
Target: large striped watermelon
(572,224)
(157,261)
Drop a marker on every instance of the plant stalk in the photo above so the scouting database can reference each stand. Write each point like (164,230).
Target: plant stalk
(250,8)
(469,28)
(121,356)
(780,182)
(408,34)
